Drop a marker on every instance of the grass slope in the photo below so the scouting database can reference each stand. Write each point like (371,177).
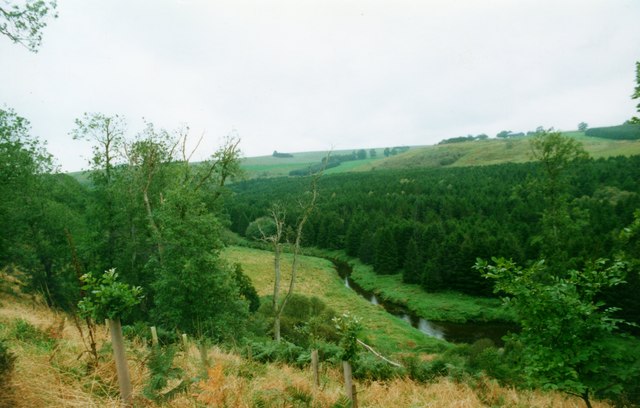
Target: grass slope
(494,151)
(477,153)
(316,277)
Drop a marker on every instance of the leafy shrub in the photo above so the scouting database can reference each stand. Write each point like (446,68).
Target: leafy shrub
(260,228)
(305,320)
(424,371)
(369,367)
(7,361)
(26,332)
(137,331)
(107,298)
(273,351)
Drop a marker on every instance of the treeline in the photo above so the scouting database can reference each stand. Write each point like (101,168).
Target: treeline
(626,131)
(281,155)
(147,213)
(461,139)
(432,224)
(334,160)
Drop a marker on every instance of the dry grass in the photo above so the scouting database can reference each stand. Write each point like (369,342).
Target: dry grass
(59,376)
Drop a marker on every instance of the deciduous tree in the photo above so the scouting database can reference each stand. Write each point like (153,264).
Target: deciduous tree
(568,338)
(23,24)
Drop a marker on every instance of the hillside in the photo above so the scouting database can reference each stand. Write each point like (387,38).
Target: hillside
(52,369)
(497,151)
(318,278)
(475,153)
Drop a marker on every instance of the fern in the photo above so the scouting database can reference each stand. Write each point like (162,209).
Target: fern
(162,370)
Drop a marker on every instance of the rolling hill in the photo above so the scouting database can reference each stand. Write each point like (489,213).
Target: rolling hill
(472,153)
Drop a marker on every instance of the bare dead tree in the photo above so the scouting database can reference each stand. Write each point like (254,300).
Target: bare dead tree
(278,216)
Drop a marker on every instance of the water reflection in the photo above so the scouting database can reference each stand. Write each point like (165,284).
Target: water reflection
(430,329)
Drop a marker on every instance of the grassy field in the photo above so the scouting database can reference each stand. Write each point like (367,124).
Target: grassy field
(317,277)
(494,151)
(269,166)
(477,153)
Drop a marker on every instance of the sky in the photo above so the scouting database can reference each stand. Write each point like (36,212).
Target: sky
(314,75)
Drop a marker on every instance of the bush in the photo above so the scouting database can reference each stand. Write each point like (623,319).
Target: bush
(424,371)
(161,371)
(260,228)
(304,321)
(7,361)
(272,351)
(26,332)
(370,367)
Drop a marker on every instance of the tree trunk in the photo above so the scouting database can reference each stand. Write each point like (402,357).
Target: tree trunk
(585,398)
(117,341)
(276,327)
(276,292)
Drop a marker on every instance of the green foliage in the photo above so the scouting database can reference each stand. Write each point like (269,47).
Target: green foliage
(7,360)
(348,327)
(278,351)
(386,255)
(37,210)
(162,370)
(24,24)
(627,131)
(246,288)
(306,320)
(371,368)
(27,333)
(261,228)
(568,337)
(456,215)
(107,298)
(7,364)
(555,152)
(636,94)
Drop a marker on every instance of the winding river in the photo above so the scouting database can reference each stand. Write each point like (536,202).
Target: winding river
(453,332)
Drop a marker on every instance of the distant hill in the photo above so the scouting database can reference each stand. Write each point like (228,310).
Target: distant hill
(471,153)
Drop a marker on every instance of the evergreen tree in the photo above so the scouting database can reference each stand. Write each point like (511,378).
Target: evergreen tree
(386,254)
(413,264)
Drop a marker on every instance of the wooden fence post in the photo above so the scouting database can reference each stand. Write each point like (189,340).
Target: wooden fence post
(354,396)
(185,343)
(154,336)
(314,367)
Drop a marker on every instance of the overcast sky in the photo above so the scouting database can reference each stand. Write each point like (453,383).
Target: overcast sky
(305,75)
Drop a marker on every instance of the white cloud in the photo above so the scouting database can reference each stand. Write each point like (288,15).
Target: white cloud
(309,74)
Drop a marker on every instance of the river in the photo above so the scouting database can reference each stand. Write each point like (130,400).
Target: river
(453,332)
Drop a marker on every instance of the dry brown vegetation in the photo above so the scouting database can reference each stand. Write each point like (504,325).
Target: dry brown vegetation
(57,374)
